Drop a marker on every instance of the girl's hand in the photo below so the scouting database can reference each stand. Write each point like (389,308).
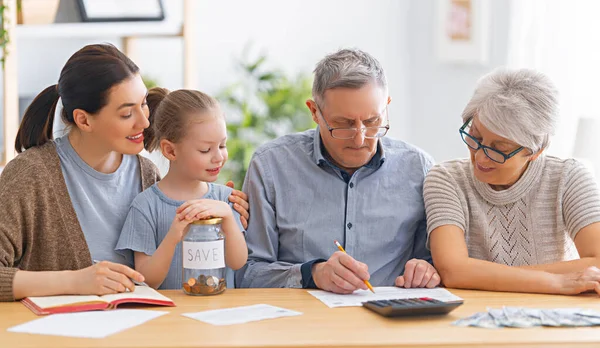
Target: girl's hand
(240,204)
(200,209)
(179,228)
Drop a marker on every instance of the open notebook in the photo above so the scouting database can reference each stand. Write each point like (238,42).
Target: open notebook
(69,304)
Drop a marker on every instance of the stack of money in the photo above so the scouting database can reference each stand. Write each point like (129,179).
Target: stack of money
(531,317)
(204,285)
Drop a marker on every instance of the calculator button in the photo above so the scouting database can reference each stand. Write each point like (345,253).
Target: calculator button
(413,301)
(377,303)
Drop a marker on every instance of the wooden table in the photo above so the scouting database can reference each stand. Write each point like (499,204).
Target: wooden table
(319,326)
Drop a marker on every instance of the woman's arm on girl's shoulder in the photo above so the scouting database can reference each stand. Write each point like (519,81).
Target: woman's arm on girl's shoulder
(240,203)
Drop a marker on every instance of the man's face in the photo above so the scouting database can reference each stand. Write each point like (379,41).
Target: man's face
(351,108)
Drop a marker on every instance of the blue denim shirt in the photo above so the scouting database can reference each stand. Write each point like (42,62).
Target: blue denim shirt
(300,203)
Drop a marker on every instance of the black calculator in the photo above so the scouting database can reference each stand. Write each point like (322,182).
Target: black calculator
(411,307)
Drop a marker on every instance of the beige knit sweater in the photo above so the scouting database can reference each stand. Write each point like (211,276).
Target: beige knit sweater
(533,222)
(39,230)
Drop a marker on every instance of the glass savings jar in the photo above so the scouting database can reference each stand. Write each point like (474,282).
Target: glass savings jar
(204,258)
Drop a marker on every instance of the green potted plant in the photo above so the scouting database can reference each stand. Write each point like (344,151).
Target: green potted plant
(263,105)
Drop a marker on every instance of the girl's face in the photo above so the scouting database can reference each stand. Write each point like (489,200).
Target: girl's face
(202,152)
(118,126)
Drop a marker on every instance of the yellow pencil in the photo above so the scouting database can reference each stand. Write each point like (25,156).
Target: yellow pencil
(344,251)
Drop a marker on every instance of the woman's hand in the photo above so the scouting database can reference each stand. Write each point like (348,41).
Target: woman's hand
(105,278)
(240,204)
(578,282)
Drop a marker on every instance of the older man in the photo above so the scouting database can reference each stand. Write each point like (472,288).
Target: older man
(342,181)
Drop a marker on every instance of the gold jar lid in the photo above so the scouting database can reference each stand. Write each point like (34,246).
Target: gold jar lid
(213,221)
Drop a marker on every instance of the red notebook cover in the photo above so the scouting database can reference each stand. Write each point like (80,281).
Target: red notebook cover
(71,304)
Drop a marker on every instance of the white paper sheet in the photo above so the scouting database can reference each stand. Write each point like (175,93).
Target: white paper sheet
(381,293)
(239,315)
(88,324)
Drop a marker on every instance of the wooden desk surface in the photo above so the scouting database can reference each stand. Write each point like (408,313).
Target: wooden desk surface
(319,326)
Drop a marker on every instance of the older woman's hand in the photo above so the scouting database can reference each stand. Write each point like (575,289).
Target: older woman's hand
(579,282)
(418,274)
(240,204)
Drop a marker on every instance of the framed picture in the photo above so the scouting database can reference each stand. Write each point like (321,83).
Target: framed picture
(121,10)
(462,32)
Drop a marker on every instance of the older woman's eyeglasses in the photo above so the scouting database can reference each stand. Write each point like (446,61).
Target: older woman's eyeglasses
(474,144)
(370,132)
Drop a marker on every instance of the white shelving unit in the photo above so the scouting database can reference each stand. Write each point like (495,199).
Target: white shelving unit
(127,31)
(83,30)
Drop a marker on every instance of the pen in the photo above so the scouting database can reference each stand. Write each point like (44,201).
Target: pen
(133,280)
(344,251)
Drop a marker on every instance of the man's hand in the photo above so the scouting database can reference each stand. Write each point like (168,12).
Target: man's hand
(418,274)
(340,274)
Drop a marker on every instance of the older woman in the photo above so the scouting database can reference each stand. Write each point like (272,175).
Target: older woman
(511,218)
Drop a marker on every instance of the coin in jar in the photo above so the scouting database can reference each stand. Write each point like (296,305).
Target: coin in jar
(196,289)
(212,281)
(202,279)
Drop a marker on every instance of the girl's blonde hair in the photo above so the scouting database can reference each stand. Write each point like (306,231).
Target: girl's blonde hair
(170,114)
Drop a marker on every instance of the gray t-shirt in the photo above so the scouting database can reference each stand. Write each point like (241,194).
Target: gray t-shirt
(101,201)
(148,223)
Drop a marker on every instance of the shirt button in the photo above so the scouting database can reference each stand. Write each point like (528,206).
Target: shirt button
(349,225)
(351,185)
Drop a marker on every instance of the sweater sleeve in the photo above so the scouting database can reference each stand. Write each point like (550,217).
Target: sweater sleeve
(13,216)
(581,199)
(442,203)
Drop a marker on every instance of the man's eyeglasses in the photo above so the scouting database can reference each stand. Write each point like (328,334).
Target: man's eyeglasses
(349,133)
(474,144)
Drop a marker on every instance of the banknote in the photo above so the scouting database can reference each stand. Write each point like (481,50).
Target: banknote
(522,317)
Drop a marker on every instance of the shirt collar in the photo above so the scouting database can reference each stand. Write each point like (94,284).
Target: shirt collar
(320,153)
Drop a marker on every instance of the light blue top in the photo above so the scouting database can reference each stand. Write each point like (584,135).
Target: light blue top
(101,201)
(300,203)
(148,223)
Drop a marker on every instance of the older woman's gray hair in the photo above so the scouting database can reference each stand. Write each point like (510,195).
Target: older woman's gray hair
(346,68)
(519,105)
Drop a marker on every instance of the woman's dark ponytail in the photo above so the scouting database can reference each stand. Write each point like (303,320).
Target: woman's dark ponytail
(36,126)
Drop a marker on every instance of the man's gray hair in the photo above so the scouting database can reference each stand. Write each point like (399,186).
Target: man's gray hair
(519,105)
(346,68)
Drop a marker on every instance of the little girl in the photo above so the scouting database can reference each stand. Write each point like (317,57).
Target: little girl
(189,129)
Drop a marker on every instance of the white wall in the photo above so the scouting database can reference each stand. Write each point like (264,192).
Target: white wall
(428,96)
(439,91)
(294,34)
(297,34)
